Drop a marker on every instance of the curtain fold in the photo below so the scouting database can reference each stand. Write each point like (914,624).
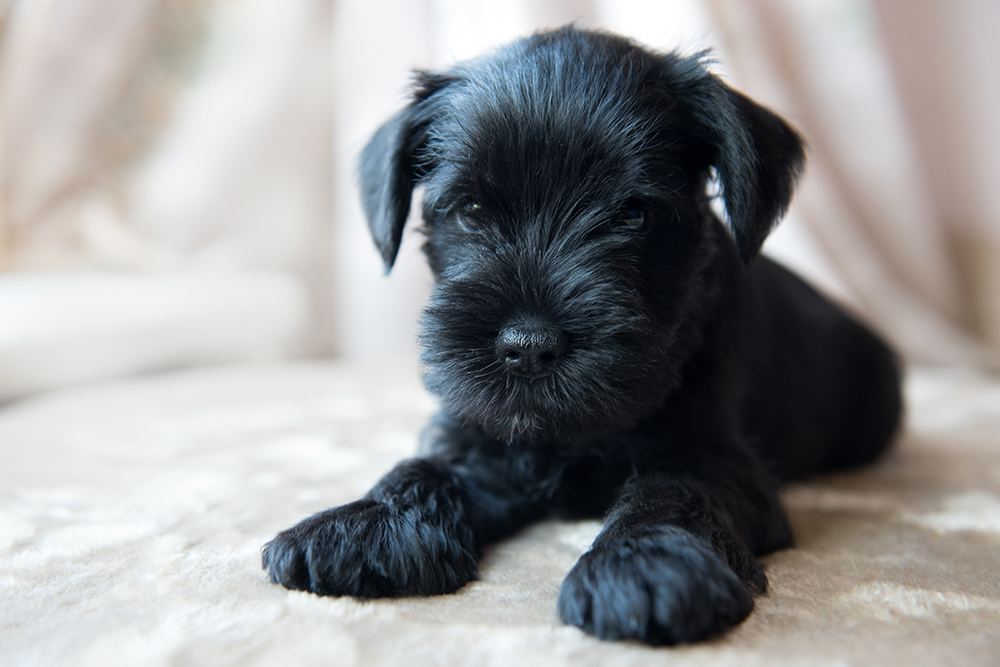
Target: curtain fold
(224,134)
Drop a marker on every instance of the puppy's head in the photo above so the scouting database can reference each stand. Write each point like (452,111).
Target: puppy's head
(568,226)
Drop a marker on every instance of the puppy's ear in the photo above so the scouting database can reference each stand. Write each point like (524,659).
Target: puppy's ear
(757,155)
(392,163)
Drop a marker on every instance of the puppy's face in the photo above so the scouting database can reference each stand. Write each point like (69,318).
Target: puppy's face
(567,225)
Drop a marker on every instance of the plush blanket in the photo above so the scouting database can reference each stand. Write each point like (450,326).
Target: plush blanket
(132,515)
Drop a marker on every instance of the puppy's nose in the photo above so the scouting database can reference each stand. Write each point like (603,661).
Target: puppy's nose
(531,351)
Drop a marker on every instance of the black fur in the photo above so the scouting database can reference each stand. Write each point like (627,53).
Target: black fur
(602,344)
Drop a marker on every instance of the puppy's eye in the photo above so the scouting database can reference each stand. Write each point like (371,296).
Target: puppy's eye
(469,216)
(631,218)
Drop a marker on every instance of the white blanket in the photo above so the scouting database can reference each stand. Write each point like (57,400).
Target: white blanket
(132,516)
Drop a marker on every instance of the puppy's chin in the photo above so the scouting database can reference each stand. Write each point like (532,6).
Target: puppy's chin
(525,429)
(563,410)
(526,423)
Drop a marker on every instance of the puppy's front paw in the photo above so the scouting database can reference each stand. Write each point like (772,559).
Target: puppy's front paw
(370,549)
(665,588)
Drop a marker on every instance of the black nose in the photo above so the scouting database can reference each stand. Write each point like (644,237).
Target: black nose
(531,350)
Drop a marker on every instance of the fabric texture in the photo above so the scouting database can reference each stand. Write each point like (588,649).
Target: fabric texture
(132,515)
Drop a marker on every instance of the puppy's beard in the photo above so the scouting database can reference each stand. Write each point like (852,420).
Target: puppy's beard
(589,394)
(511,409)
(523,427)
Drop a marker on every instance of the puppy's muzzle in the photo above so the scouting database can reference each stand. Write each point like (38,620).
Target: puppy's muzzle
(531,350)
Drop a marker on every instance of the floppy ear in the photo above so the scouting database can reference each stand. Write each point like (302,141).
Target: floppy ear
(757,155)
(391,164)
(386,173)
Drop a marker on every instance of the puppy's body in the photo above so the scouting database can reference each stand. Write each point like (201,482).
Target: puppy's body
(601,343)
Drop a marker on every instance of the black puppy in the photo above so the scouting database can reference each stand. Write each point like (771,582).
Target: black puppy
(601,342)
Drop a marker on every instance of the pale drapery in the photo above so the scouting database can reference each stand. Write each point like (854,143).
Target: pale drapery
(168,135)
(159,133)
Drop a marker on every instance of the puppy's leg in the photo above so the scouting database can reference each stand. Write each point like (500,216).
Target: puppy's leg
(675,560)
(419,530)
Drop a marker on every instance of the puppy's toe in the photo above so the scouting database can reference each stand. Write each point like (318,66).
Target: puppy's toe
(284,559)
(666,588)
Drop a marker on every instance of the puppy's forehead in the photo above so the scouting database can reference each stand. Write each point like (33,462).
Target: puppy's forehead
(535,122)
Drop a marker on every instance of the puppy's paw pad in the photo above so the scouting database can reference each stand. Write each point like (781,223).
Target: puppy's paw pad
(665,588)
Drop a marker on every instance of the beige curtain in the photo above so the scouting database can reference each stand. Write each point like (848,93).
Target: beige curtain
(65,66)
(163,133)
(946,61)
(169,135)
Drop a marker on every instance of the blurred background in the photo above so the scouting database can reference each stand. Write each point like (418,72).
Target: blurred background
(177,176)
